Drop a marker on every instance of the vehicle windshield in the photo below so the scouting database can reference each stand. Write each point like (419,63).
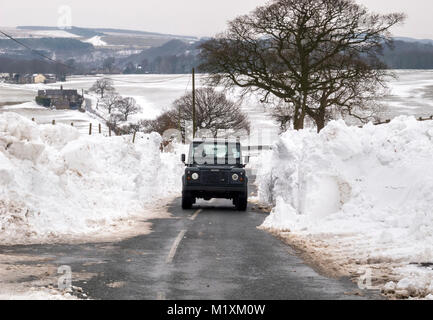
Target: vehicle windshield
(216,153)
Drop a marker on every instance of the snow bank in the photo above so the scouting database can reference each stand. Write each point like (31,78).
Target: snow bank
(37,295)
(369,190)
(55,182)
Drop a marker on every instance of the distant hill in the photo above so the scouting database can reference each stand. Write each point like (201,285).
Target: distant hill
(178,56)
(49,44)
(173,57)
(81,32)
(92,32)
(14,65)
(125,31)
(171,48)
(103,38)
(413,40)
(149,52)
(409,55)
(89,47)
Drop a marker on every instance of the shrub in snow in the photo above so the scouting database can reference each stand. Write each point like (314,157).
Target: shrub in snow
(374,182)
(55,182)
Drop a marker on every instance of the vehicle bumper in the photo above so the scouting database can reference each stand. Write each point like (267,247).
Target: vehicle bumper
(224,189)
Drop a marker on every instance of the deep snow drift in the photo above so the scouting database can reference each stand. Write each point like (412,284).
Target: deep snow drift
(54,182)
(367,192)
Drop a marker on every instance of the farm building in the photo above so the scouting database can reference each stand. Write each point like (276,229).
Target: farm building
(60,99)
(39,78)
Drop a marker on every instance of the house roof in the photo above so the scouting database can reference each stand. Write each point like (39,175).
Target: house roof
(57,92)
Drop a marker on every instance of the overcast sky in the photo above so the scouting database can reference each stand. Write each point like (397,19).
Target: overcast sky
(188,17)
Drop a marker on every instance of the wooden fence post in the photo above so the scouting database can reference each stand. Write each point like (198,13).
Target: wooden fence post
(54,122)
(100,129)
(72,124)
(90,129)
(133,138)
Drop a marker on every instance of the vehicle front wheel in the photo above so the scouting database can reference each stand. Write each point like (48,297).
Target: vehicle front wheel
(187,202)
(241,203)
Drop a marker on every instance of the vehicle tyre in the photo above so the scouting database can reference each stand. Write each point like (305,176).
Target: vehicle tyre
(187,201)
(241,203)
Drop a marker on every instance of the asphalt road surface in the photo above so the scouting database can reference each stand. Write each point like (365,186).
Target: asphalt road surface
(209,252)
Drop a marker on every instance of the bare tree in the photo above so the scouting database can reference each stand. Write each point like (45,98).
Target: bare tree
(127,107)
(114,121)
(111,101)
(214,112)
(304,52)
(163,123)
(101,86)
(283,114)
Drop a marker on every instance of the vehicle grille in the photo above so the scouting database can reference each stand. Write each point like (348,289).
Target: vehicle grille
(215,177)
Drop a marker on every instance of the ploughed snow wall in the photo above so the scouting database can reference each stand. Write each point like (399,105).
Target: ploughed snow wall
(54,181)
(374,184)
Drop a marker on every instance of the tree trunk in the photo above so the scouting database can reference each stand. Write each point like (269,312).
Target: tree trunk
(320,123)
(298,123)
(300,112)
(320,117)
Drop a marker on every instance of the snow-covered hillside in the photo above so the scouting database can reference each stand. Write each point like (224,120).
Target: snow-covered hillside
(96,41)
(361,196)
(55,182)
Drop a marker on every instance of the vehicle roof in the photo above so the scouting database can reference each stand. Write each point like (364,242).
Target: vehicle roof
(215,140)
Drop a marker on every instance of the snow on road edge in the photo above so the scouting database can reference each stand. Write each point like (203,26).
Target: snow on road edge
(360,196)
(54,182)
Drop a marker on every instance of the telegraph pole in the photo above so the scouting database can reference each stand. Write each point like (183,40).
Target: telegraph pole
(194,125)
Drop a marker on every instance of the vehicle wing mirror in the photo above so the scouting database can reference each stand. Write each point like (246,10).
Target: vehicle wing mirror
(183,158)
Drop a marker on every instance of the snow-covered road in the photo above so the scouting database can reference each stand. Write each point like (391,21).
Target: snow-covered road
(360,200)
(209,252)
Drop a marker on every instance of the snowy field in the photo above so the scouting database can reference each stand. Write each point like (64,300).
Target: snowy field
(411,94)
(154,93)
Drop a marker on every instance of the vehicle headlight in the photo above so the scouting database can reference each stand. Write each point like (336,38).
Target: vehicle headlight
(195,176)
(235,177)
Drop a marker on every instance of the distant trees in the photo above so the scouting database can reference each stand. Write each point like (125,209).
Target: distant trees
(119,110)
(114,122)
(130,68)
(127,107)
(111,101)
(214,112)
(31,66)
(71,63)
(108,64)
(101,86)
(173,57)
(319,57)
(144,65)
(161,124)
(409,55)
(163,65)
